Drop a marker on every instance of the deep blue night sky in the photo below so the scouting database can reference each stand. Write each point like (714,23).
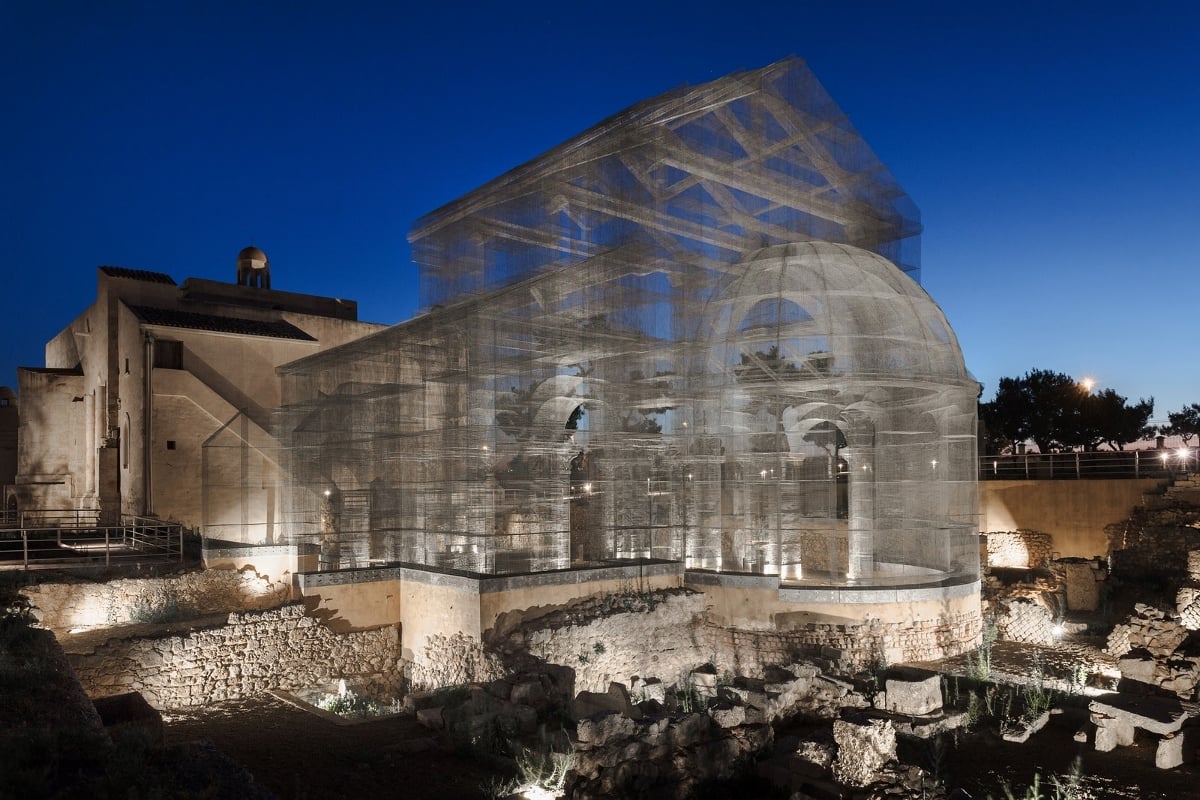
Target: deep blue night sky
(1052,148)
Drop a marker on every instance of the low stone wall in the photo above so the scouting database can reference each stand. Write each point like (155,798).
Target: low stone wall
(850,644)
(617,637)
(64,606)
(1023,619)
(252,653)
(1023,548)
(658,635)
(1073,512)
(1154,544)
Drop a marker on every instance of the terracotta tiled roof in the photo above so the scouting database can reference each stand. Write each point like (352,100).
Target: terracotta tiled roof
(138,275)
(277,329)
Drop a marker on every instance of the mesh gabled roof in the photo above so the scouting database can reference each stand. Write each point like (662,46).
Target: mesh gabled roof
(701,174)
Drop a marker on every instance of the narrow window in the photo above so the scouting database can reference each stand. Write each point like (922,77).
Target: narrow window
(170,444)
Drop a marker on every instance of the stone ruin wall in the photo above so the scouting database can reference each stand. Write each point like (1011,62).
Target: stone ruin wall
(1020,549)
(749,652)
(1154,543)
(658,635)
(254,652)
(84,604)
(603,642)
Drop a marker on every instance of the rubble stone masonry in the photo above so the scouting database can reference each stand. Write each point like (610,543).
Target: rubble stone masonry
(254,652)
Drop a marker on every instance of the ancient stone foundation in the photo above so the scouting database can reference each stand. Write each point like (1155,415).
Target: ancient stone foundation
(752,651)
(616,638)
(252,653)
(1023,548)
(85,604)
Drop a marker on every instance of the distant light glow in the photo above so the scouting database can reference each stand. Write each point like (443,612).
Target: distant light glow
(1088,384)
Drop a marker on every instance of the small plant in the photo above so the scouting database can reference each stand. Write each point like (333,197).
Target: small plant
(951,693)
(1077,681)
(1036,696)
(349,704)
(974,710)
(497,788)
(1066,787)
(937,756)
(979,663)
(598,648)
(1038,700)
(583,658)
(545,770)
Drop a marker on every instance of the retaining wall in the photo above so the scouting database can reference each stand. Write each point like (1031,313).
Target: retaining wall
(1073,512)
(63,606)
(254,652)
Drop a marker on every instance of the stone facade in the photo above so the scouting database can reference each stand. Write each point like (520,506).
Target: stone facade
(1023,548)
(254,652)
(64,606)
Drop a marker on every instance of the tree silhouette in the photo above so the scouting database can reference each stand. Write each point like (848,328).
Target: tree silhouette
(1184,423)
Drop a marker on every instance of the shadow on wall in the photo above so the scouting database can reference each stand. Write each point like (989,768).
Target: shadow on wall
(1073,512)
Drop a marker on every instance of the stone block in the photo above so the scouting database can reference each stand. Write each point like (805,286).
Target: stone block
(728,716)
(1161,715)
(529,693)
(913,697)
(431,718)
(704,683)
(1110,737)
(1024,730)
(1082,581)
(864,747)
(602,729)
(812,759)
(128,713)
(654,689)
(1138,665)
(1170,751)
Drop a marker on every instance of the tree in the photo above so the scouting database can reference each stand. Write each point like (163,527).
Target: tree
(1106,418)
(1184,423)
(1036,406)
(1055,411)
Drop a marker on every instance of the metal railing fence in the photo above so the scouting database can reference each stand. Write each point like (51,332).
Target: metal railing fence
(50,539)
(1159,463)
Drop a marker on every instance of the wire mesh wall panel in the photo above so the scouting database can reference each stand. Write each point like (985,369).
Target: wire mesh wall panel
(676,336)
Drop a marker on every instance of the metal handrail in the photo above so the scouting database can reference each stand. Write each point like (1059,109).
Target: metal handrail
(1099,464)
(49,545)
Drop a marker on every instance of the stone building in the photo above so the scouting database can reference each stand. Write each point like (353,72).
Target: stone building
(144,393)
(690,337)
